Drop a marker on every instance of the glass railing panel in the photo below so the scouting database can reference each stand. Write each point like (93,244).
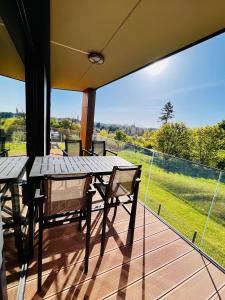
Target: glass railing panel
(189,196)
(58,136)
(17,143)
(213,238)
(113,145)
(139,156)
(184,190)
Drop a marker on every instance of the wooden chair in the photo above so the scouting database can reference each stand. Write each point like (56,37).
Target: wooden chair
(99,148)
(15,218)
(122,189)
(3,150)
(74,148)
(68,196)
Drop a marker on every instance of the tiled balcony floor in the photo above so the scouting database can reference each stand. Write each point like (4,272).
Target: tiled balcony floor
(159,265)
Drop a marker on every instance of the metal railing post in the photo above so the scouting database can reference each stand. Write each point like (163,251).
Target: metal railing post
(149,177)
(194,237)
(159,209)
(210,209)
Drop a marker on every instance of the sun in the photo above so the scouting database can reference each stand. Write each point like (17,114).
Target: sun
(157,67)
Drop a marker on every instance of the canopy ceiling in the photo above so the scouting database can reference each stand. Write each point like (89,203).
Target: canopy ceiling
(11,64)
(129,33)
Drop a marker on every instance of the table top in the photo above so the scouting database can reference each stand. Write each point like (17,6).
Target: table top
(96,165)
(12,167)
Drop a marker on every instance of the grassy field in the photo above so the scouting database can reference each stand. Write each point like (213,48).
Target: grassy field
(185,201)
(16,148)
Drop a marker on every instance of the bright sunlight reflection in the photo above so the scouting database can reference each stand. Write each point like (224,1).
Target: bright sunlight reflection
(158,67)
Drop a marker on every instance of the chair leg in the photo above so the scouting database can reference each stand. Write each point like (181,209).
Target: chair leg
(17,220)
(88,234)
(40,244)
(132,221)
(80,223)
(105,213)
(115,209)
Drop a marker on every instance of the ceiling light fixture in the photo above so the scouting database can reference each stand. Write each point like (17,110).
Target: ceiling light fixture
(96,58)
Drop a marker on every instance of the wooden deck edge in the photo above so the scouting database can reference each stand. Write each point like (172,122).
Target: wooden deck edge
(215,263)
(164,266)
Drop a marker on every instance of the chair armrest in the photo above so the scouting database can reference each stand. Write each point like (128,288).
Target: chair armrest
(86,151)
(93,153)
(114,153)
(4,153)
(99,188)
(101,182)
(100,178)
(105,183)
(64,153)
(92,189)
(58,147)
(38,196)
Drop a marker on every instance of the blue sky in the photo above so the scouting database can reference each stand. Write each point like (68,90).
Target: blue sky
(193,80)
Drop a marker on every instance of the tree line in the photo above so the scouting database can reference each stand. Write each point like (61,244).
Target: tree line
(205,145)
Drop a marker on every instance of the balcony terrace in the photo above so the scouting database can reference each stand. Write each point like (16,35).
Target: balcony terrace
(160,265)
(82,46)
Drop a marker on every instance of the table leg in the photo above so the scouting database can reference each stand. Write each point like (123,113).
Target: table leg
(30,197)
(14,188)
(31,230)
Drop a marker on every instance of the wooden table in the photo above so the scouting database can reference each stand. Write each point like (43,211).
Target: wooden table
(96,165)
(11,171)
(11,168)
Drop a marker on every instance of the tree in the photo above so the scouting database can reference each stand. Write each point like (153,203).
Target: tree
(120,136)
(149,140)
(207,141)
(174,139)
(222,124)
(222,127)
(220,157)
(23,115)
(75,127)
(103,133)
(65,123)
(167,113)
(6,115)
(98,125)
(54,123)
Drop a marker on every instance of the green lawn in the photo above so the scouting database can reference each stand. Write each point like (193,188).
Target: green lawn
(16,148)
(185,202)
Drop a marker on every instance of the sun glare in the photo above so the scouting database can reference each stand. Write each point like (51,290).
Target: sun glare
(158,67)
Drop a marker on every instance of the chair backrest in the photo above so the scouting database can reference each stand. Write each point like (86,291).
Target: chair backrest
(65,193)
(73,147)
(98,147)
(2,143)
(123,181)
